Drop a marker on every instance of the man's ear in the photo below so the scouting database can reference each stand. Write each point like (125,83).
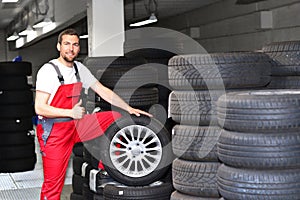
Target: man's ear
(58,46)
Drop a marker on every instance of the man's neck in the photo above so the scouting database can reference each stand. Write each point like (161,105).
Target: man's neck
(65,63)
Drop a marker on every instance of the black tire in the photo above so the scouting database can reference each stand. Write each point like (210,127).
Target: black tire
(115,192)
(194,107)
(16,111)
(13,83)
(139,98)
(17,151)
(16,97)
(87,193)
(285,56)
(77,184)
(196,143)
(284,82)
(15,68)
(128,77)
(98,63)
(260,151)
(180,196)
(252,184)
(219,71)
(78,149)
(77,164)
(18,165)
(15,125)
(195,178)
(151,166)
(16,138)
(260,111)
(75,196)
(98,197)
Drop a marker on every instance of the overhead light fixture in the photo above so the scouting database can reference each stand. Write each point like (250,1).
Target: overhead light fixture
(47,21)
(152,19)
(13,37)
(20,42)
(27,31)
(10,1)
(84,36)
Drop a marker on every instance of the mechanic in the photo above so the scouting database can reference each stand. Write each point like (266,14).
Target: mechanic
(62,120)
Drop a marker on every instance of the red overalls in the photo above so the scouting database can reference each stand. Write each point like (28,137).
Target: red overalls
(65,132)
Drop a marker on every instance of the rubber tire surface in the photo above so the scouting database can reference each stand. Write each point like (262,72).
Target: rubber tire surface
(15,68)
(164,137)
(16,125)
(239,183)
(195,178)
(260,111)
(180,196)
(18,165)
(219,71)
(260,150)
(285,56)
(16,97)
(195,143)
(194,107)
(162,192)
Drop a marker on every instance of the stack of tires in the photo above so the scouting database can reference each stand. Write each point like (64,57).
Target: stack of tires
(135,82)
(16,128)
(79,177)
(198,81)
(259,145)
(285,64)
(136,154)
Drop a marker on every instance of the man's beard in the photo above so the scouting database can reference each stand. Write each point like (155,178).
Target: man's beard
(68,59)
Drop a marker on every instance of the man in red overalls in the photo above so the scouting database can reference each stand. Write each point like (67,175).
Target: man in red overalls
(62,119)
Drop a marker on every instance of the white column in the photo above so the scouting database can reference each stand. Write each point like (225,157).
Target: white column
(105,27)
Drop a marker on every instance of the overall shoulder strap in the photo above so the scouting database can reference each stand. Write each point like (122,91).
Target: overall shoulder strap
(76,72)
(60,77)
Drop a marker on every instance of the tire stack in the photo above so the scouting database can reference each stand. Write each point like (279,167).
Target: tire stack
(259,145)
(80,172)
(135,82)
(285,64)
(198,81)
(16,129)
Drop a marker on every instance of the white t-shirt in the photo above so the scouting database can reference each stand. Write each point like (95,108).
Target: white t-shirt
(47,80)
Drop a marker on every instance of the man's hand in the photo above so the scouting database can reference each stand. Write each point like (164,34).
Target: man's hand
(138,112)
(78,111)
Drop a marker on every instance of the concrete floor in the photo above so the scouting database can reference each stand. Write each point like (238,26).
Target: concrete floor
(27,185)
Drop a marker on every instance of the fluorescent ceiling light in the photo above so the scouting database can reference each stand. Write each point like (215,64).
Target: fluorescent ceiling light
(84,36)
(152,19)
(49,27)
(13,37)
(20,42)
(10,1)
(27,31)
(47,21)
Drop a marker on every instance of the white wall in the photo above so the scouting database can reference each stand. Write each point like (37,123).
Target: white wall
(225,26)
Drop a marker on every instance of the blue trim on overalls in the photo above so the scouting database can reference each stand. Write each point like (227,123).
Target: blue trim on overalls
(47,124)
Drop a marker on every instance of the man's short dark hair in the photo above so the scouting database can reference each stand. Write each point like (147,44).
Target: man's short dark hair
(69,31)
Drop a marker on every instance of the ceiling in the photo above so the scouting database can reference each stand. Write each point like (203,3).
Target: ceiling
(165,8)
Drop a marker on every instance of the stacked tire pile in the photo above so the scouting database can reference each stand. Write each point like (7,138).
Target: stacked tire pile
(128,77)
(156,53)
(79,177)
(16,129)
(198,81)
(135,83)
(285,64)
(259,145)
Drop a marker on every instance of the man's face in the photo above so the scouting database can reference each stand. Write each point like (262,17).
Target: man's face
(69,47)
